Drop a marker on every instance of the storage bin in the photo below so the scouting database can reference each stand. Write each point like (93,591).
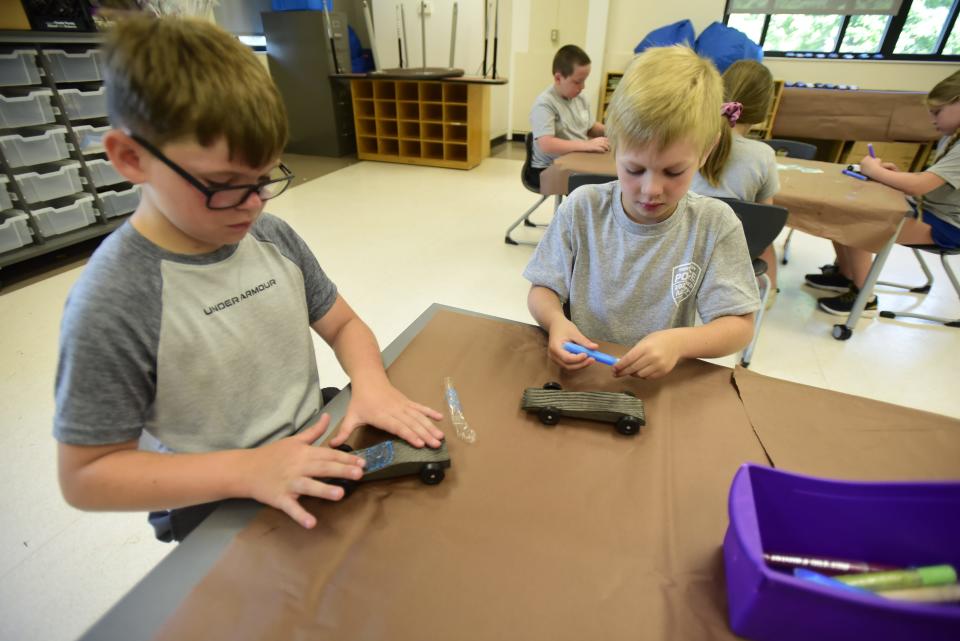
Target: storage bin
(37,187)
(900,524)
(103,173)
(19,68)
(74,67)
(24,111)
(5,201)
(60,220)
(14,231)
(91,138)
(22,150)
(84,104)
(118,203)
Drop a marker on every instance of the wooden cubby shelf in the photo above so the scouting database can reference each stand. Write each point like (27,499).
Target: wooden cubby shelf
(422,122)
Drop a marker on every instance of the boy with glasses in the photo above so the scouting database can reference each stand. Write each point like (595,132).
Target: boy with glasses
(191,323)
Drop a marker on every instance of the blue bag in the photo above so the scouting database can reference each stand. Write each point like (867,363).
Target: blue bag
(725,45)
(672,34)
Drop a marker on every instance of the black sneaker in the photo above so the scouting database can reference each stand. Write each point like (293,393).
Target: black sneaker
(831,282)
(842,305)
(830,269)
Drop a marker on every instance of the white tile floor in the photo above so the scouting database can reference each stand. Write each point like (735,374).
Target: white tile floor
(395,238)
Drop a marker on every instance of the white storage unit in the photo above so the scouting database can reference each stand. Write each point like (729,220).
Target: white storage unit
(84,104)
(24,149)
(103,172)
(14,231)
(91,138)
(118,203)
(74,67)
(19,68)
(23,111)
(60,220)
(5,202)
(38,187)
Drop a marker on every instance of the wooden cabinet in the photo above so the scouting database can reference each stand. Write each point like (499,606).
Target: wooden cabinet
(611,80)
(422,122)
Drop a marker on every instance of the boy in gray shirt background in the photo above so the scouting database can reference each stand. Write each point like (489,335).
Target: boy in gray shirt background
(560,118)
(638,258)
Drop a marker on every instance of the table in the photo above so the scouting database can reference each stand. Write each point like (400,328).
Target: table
(820,199)
(568,532)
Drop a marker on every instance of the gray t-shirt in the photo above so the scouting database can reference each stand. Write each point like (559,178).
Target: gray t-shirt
(750,173)
(625,280)
(944,201)
(203,352)
(554,115)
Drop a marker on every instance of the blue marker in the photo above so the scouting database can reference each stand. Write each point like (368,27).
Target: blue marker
(870,149)
(821,579)
(600,357)
(854,174)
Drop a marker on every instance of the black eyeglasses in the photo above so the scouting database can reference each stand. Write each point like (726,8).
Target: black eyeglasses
(230,196)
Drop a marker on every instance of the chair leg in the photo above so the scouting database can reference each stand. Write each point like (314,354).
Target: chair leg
(949,322)
(786,248)
(747,354)
(508,239)
(922,289)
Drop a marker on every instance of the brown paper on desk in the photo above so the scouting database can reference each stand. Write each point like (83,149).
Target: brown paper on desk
(553,179)
(553,533)
(825,433)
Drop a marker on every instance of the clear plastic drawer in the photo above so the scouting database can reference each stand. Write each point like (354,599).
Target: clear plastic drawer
(118,203)
(74,67)
(24,111)
(19,68)
(5,201)
(60,220)
(14,231)
(103,173)
(91,138)
(23,150)
(38,187)
(84,104)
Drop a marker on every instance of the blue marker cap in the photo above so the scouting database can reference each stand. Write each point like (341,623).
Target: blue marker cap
(822,579)
(600,357)
(870,149)
(854,174)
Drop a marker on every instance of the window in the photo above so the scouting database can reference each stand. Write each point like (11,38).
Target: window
(920,30)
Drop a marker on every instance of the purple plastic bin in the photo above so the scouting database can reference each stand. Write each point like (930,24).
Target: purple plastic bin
(908,524)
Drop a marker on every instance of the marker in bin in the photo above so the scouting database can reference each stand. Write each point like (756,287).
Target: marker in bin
(600,357)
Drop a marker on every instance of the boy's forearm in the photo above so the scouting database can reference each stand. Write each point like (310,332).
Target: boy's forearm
(558,146)
(912,184)
(544,306)
(719,337)
(137,480)
(358,352)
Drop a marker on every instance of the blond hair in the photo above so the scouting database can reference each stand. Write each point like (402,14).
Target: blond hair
(667,94)
(173,79)
(751,84)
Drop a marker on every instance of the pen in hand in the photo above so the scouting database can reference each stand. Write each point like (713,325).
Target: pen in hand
(870,149)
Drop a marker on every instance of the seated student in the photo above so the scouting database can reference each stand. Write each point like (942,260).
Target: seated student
(638,258)
(739,167)
(934,192)
(560,118)
(191,322)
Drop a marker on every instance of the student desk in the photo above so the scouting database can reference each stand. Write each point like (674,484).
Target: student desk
(564,532)
(821,200)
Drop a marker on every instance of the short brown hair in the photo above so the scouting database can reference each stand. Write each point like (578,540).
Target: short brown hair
(171,79)
(567,58)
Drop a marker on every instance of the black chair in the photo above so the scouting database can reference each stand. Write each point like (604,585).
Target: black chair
(943,252)
(761,225)
(791,149)
(579,180)
(530,186)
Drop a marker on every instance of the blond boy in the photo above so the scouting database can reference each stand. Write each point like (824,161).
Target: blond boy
(191,323)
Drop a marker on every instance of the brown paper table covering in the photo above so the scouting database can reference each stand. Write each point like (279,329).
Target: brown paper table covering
(830,204)
(853,115)
(570,532)
(824,433)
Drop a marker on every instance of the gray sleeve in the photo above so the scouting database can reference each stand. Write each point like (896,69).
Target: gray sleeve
(729,287)
(106,375)
(321,292)
(543,120)
(771,179)
(948,167)
(551,265)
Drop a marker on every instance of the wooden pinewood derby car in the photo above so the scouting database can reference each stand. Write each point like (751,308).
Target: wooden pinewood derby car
(550,402)
(394,458)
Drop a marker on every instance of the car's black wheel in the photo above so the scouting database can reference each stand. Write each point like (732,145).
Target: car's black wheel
(629,393)
(348,485)
(431,473)
(549,415)
(553,385)
(628,425)
(343,447)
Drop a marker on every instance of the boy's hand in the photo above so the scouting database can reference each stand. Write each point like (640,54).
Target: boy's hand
(654,356)
(283,471)
(869,165)
(562,331)
(598,145)
(384,406)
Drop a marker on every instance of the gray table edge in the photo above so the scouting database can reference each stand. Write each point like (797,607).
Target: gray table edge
(147,606)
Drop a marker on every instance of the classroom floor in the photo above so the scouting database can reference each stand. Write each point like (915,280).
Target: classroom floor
(395,238)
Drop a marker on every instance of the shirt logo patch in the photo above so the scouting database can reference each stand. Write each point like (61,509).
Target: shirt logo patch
(684,281)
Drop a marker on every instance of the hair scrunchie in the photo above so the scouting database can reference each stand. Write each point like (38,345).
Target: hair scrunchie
(731,111)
